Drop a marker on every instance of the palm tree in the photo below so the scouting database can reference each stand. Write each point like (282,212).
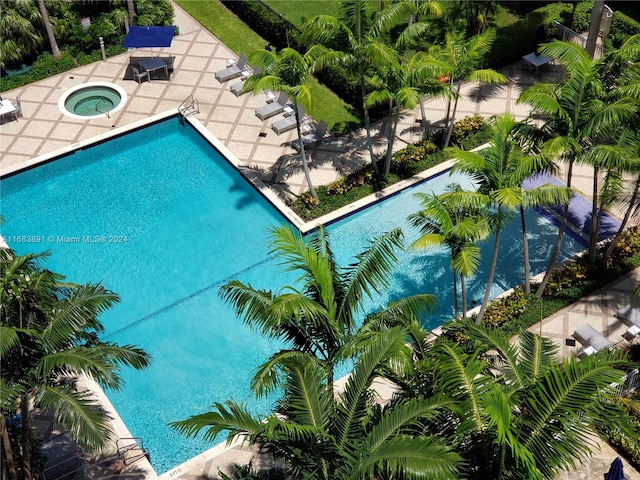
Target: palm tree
(453,219)
(518,412)
(322,436)
(50,331)
(402,84)
(462,59)
(576,116)
(290,72)
(630,196)
(496,171)
(48,28)
(320,315)
(19,37)
(353,41)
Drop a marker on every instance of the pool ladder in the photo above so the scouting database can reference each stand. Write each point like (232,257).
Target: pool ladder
(131,450)
(188,107)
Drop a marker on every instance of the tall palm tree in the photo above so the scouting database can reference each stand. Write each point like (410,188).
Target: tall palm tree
(462,58)
(628,197)
(323,436)
(454,219)
(50,335)
(402,84)
(354,42)
(321,313)
(496,173)
(290,72)
(518,411)
(576,116)
(48,28)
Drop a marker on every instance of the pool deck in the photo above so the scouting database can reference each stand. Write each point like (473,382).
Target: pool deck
(44,131)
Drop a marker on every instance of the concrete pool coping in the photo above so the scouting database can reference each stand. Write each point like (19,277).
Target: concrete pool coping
(245,170)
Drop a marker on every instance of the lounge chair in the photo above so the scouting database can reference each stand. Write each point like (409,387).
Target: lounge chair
(592,340)
(273,108)
(234,71)
(630,315)
(236,88)
(313,138)
(288,123)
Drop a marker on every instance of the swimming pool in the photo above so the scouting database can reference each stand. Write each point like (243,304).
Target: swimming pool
(163,220)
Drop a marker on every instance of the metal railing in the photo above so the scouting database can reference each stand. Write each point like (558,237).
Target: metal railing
(629,384)
(566,34)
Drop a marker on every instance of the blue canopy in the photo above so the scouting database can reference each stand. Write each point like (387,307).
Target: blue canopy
(616,471)
(149,37)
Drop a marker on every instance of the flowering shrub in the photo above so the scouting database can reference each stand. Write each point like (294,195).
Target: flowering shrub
(355,179)
(309,200)
(505,310)
(466,126)
(413,153)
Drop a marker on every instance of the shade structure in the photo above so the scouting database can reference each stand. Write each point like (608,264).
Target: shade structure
(149,37)
(616,471)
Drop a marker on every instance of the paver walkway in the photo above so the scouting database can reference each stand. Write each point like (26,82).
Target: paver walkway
(44,130)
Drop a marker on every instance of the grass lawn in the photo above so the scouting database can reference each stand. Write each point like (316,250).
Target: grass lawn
(236,35)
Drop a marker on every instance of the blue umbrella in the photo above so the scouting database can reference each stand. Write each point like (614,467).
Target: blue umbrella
(149,37)
(615,471)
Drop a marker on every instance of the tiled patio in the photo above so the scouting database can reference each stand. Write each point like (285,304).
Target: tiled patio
(44,130)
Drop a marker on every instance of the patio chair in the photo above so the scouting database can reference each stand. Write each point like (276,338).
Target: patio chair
(236,88)
(313,138)
(592,340)
(169,61)
(138,75)
(288,123)
(234,71)
(18,108)
(273,108)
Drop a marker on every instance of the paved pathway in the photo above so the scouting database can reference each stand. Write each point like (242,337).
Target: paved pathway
(44,130)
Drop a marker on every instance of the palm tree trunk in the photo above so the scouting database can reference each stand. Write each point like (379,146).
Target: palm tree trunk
(456,309)
(446,115)
(132,10)
(6,447)
(593,231)
(525,253)
(305,166)
(393,120)
(453,117)
(367,126)
(556,247)
(26,446)
(492,272)
(463,289)
(49,29)
(625,220)
(594,28)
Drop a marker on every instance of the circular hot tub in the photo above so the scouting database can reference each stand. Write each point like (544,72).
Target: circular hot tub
(92,100)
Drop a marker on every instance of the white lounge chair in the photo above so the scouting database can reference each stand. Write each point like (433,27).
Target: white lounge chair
(630,315)
(592,340)
(234,71)
(288,123)
(236,88)
(273,108)
(313,138)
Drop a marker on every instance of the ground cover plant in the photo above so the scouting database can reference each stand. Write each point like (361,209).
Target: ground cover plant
(470,132)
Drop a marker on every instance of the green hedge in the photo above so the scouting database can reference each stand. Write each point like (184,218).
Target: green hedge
(46,65)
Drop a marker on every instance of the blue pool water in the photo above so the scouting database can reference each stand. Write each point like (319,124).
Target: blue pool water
(161,219)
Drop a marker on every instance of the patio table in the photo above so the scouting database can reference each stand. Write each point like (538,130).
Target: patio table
(536,60)
(153,64)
